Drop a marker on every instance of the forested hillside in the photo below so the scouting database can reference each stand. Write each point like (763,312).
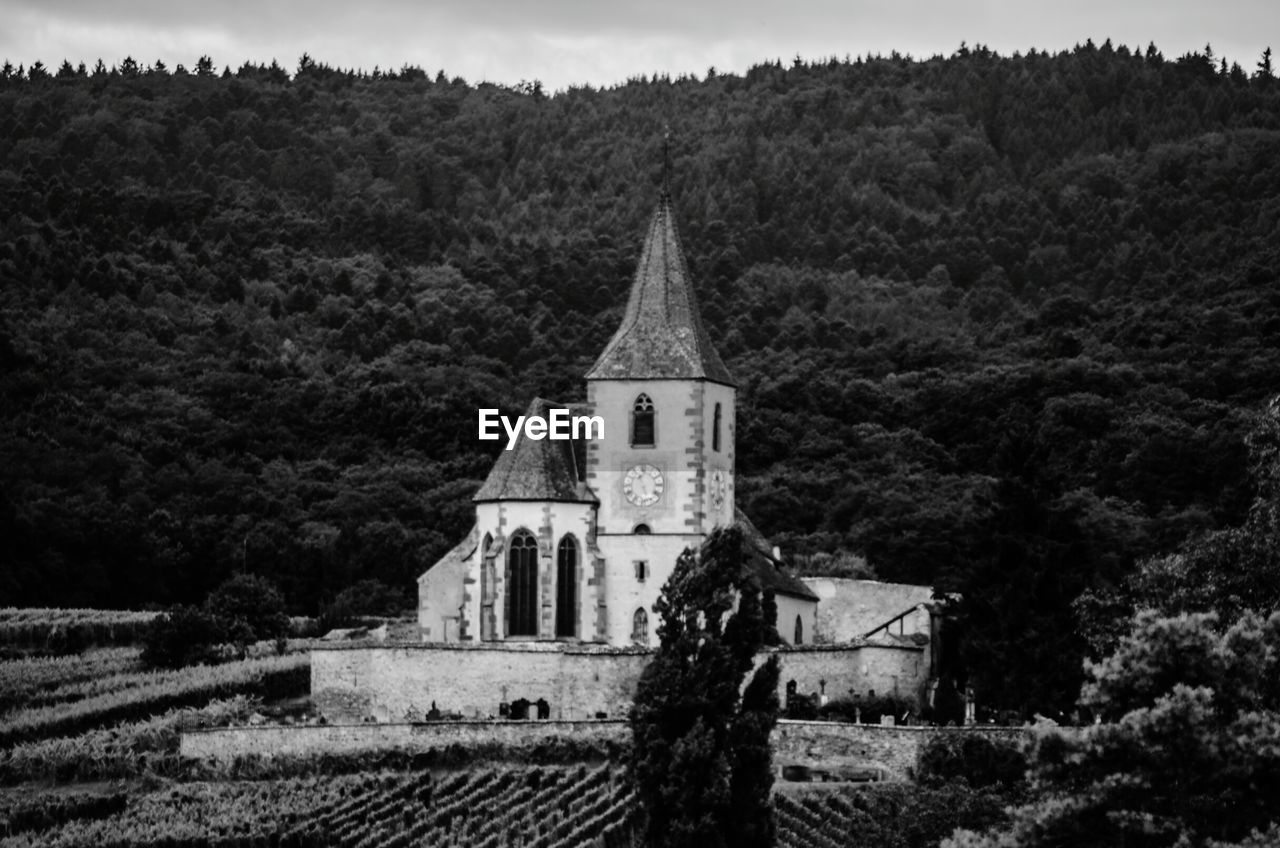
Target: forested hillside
(999,323)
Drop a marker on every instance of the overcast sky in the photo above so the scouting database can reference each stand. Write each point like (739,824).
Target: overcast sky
(563,42)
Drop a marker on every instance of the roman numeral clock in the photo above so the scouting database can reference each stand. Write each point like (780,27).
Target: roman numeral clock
(642,485)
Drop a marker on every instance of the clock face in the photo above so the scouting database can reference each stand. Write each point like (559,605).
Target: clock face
(718,488)
(642,484)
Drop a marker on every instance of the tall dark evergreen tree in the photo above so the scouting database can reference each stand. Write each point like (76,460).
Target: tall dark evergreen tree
(700,744)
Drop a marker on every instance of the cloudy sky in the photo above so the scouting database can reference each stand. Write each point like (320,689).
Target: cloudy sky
(563,42)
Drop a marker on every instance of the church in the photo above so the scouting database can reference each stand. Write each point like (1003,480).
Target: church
(574,538)
(550,596)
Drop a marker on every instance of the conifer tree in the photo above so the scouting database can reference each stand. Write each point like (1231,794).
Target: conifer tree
(700,749)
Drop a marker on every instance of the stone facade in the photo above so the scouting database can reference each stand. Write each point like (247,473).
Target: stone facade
(849,609)
(848,670)
(797,617)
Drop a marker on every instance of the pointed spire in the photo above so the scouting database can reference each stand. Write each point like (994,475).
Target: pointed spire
(666,163)
(662,336)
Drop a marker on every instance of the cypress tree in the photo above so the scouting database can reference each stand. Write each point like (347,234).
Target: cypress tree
(700,743)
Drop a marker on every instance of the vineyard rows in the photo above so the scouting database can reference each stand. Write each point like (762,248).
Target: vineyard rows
(125,750)
(10,616)
(33,627)
(546,807)
(138,697)
(38,680)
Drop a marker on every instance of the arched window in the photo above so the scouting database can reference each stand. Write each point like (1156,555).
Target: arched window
(488,577)
(799,632)
(522,585)
(640,627)
(642,427)
(641,530)
(715,429)
(567,587)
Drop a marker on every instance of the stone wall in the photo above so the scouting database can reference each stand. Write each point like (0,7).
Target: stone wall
(848,609)
(856,670)
(894,749)
(392,683)
(350,683)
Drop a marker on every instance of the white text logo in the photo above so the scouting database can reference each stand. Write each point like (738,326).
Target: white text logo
(559,425)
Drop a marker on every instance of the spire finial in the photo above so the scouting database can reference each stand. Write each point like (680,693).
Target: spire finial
(666,162)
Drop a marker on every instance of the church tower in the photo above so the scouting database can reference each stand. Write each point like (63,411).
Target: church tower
(574,539)
(664,471)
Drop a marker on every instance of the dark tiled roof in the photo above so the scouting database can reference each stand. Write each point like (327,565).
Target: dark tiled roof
(542,470)
(661,336)
(771,572)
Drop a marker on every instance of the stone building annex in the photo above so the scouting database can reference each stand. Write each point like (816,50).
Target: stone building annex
(551,594)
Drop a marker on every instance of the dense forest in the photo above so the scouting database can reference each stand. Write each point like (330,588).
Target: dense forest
(1000,323)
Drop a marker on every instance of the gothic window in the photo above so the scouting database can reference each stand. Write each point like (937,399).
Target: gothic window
(715,429)
(566,587)
(642,422)
(799,632)
(522,585)
(641,530)
(640,627)
(487,579)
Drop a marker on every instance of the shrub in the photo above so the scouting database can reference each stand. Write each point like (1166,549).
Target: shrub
(182,636)
(975,758)
(252,606)
(358,602)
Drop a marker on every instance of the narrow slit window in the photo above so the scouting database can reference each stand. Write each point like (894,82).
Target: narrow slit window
(715,429)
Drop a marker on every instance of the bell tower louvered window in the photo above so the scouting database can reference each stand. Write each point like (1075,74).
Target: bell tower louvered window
(642,422)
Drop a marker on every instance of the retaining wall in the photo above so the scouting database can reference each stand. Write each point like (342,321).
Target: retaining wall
(895,749)
(227,743)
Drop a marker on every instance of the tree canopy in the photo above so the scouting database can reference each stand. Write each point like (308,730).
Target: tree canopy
(1187,755)
(999,322)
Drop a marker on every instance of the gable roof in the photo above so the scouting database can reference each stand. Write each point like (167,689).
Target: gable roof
(661,335)
(456,558)
(771,572)
(542,470)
